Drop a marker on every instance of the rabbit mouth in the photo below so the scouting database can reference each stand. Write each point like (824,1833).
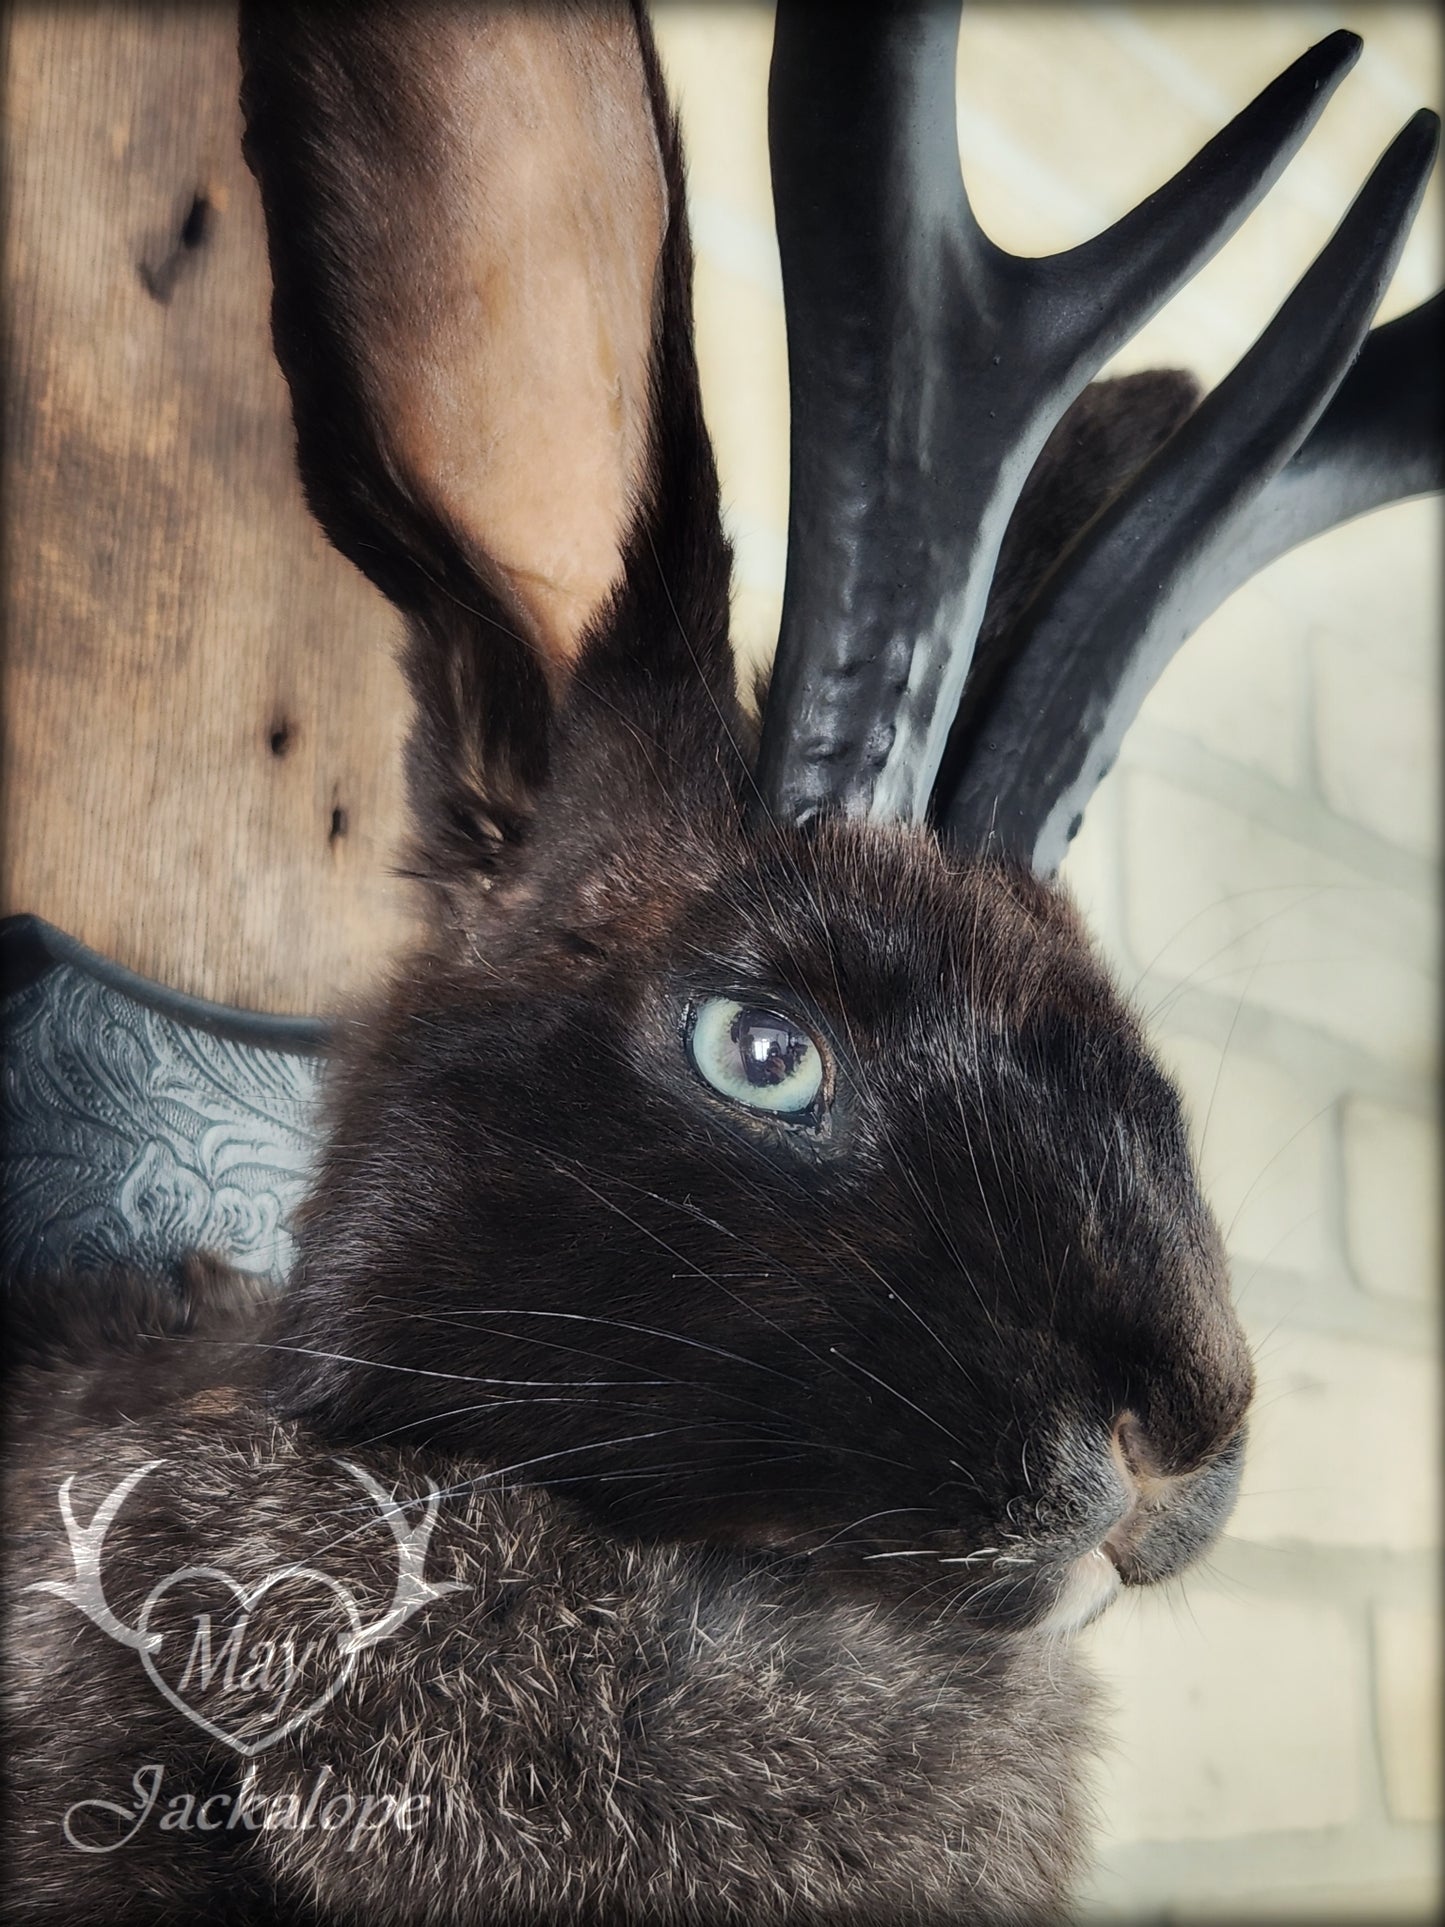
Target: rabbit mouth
(1093,1583)
(1154,1540)
(1154,1526)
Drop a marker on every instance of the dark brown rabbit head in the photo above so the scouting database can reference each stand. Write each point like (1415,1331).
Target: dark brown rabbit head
(790,1180)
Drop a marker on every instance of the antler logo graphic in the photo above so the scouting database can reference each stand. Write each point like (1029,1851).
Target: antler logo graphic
(261,1660)
(85,1591)
(413,1590)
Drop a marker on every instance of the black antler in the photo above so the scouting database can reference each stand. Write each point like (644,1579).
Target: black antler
(927,368)
(1240,482)
(1234,488)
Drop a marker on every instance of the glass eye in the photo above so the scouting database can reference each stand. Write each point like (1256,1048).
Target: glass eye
(756,1056)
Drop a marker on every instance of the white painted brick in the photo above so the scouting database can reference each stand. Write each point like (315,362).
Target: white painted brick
(1376,583)
(1262,1144)
(1363,1896)
(1368,598)
(1343,1445)
(1237,686)
(1392,1184)
(1091,873)
(1217,899)
(1407,1708)
(1232,1716)
(1378,744)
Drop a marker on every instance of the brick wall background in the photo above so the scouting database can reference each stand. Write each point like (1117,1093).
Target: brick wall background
(1260,867)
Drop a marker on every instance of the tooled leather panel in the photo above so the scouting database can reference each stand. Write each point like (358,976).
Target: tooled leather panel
(134,1133)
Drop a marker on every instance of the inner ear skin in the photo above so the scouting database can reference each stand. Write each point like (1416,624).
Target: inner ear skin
(509,361)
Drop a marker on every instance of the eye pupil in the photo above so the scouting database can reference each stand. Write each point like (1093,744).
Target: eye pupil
(756,1055)
(769,1047)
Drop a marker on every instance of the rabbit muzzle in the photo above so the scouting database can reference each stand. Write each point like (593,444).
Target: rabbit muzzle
(1100,1508)
(1169,1517)
(1164,1521)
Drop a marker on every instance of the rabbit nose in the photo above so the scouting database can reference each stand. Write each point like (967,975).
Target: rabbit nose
(1189,1504)
(1150,1465)
(1142,1481)
(1129,1448)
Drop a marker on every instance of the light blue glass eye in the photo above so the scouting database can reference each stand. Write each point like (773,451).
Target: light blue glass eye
(755,1056)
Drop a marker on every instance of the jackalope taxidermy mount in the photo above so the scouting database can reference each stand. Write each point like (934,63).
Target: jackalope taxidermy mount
(756,1301)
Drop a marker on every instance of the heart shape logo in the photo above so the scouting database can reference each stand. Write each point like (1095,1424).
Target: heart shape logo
(249,1664)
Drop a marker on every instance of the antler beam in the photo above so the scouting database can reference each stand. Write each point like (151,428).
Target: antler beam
(927,367)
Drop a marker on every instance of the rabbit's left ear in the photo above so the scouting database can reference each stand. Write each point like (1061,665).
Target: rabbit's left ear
(481,289)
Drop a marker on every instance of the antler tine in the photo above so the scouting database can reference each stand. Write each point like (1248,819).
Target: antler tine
(1213,505)
(926,369)
(1118,274)
(1382,439)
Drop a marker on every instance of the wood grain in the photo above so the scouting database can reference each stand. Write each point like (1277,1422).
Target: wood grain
(202,713)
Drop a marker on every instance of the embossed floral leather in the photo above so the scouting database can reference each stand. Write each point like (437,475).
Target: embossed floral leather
(140,1124)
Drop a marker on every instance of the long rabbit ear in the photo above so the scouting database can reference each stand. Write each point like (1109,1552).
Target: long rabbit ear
(481,279)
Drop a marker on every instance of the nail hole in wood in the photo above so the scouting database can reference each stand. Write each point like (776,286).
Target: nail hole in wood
(197,224)
(280,738)
(159,279)
(338,825)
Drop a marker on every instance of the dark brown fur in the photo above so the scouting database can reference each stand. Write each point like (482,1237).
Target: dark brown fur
(709,1396)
